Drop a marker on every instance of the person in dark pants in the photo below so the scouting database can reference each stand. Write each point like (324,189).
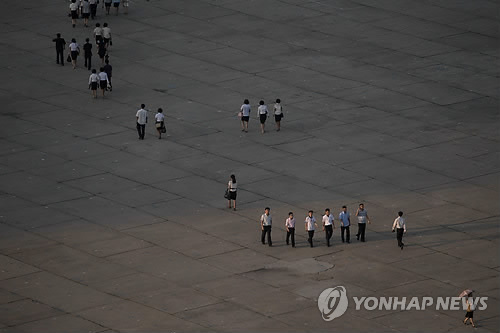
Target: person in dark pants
(310,227)
(266,222)
(290,229)
(345,222)
(362,218)
(93,8)
(87,52)
(60,46)
(328,226)
(142,119)
(399,226)
(109,70)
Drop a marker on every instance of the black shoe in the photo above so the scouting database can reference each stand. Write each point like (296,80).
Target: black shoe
(293,245)
(402,245)
(270,245)
(263,243)
(363,240)
(328,244)
(343,242)
(357,237)
(348,242)
(287,243)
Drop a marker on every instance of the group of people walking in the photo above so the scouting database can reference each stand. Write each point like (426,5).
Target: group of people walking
(262,112)
(141,117)
(88,9)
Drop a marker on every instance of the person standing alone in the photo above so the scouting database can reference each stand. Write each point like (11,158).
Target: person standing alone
(142,119)
(232,187)
(345,222)
(328,226)
(60,46)
(310,227)
(399,226)
(266,222)
(362,215)
(290,229)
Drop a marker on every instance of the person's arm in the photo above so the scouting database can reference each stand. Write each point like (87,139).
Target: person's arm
(90,80)
(357,212)
(333,222)
(323,224)
(394,224)
(262,222)
(369,222)
(286,224)
(340,219)
(404,226)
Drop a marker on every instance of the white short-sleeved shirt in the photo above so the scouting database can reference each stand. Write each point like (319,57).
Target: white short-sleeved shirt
(266,220)
(93,2)
(362,216)
(310,221)
(73,6)
(159,117)
(142,116)
(98,31)
(262,109)
(328,219)
(277,109)
(245,110)
(103,76)
(93,78)
(290,222)
(233,187)
(106,32)
(85,7)
(74,46)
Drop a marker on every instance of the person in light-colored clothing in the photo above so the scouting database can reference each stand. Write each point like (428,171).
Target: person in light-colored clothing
(94,82)
(399,226)
(142,119)
(345,223)
(232,187)
(328,225)
(310,224)
(159,122)
(245,115)
(73,8)
(103,80)
(278,114)
(266,222)
(262,111)
(74,51)
(362,216)
(290,229)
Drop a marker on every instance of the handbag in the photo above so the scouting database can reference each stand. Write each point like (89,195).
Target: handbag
(226,194)
(68,59)
(164,129)
(158,125)
(240,114)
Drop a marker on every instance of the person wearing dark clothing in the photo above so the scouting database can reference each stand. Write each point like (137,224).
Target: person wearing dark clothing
(101,50)
(109,70)
(266,222)
(87,51)
(60,46)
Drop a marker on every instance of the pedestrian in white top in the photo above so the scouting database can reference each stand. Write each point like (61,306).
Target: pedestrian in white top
(160,122)
(103,80)
(262,111)
(399,226)
(98,33)
(85,12)
(266,222)
(93,82)
(278,114)
(106,35)
(328,225)
(345,223)
(245,115)
(142,119)
(74,51)
(290,229)
(73,8)
(232,188)
(310,227)
(363,217)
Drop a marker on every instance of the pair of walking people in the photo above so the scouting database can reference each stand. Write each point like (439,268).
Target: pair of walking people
(142,119)
(263,112)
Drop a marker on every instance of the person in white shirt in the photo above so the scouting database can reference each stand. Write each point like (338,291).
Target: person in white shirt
(93,82)
(363,217)
(74,51)
(345,223)
(85,8)
(106,35)
(103,80)
(266,222)
(290,229)
(278,114)
(142,119)
(232,188)
(245,115)
(310,227)
(73,7)
(328,225)
(399,226)
(262,111)
(98,33)
(160,122)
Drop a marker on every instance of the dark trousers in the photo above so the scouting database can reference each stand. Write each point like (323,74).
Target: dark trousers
(361,231)
(267,230)
(347,232)
(141,130)
(93,11)
(290,233)
(310,239)
(88,61)
(399,236)
(328,233)
(60,56)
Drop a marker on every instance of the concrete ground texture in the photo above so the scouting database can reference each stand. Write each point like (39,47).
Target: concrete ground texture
(393,103)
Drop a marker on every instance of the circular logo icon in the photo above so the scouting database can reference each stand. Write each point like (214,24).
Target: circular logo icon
(332,303)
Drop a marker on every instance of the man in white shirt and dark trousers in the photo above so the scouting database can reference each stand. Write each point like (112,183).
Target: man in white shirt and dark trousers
(142,119)
(290,229)
(310,227)
(266,222)
(399,226)
(345,222)
(362,216)
(328,226)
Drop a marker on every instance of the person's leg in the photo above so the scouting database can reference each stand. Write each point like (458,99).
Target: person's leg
(288,233)
(359,230)
(110,84)
(293,236)
(363,229)
(234,204)
(348,234)
(242,125)
(143,129)
(399,233)
(269,241)
(342,230)
(229,203)
(139,130)
(246,126)
(263,236)
(311,235)
(472,322)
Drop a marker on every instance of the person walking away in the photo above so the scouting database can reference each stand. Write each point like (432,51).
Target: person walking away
(278,114)
(328,225)
(85,12)
(232,187)
(101,51)
(107,4)
(142,119)
(266,222)
(345,222)
(399,226)
(310,227)
(469,315)
(106,35)
(87,53)
(109,70)
(60,46)
(262,111)
(116,4)
(93,8)
(290,229)
(103,80)
(125,6)
(159,121)
(98,33)
(362,215)
(93,82)
(74,50)
(245,115)
(73,8)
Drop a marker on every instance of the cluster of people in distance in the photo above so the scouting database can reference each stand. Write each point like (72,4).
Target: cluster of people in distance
(88,9)
(262,112)
(141,117)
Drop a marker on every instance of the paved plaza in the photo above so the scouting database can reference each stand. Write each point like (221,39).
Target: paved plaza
(393,103)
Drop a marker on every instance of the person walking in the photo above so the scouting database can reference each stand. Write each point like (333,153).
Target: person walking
(73,8)
(101,50)
(106,35)
(262,111)
(87,53)
(328,225)
(60,46)
(345,222)
(290,229)
(109,70)
(103,80)
(93,8)
(98,34)
(310,227)
(159,121)
(107,4)
(278,114)
(469,314)
(74,51)
(266,222)
(125,6)
(399,226)
(85,8)
(116,4)
(93,82)
(232,188)
(245,115)
(142,119)
(363,217)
